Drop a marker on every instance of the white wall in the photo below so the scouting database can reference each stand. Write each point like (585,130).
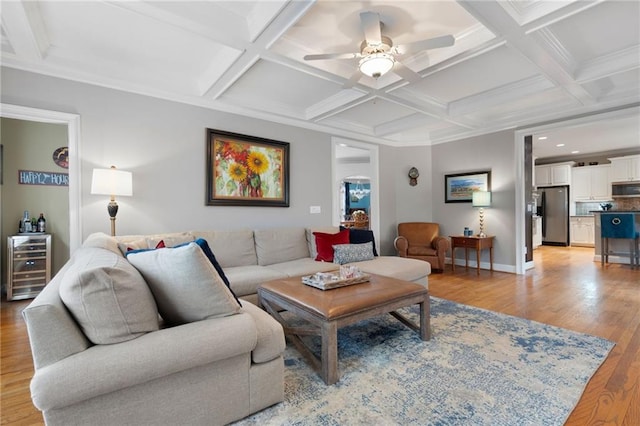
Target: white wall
(493,152)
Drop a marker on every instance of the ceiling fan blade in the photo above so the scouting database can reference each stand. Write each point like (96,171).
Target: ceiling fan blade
(432,43)
(331,56)
(355,77)
(371,26)
(406,73)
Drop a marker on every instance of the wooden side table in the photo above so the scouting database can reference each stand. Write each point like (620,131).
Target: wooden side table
(473,242)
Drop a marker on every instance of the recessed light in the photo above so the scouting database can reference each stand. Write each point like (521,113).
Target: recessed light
(542,138)
(560,144)
(575,152)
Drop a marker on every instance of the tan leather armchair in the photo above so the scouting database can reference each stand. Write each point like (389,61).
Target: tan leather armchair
(422,240)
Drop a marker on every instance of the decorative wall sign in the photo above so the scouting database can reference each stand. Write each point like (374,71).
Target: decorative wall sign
(246,170)
(458,188)
(61,157)
(32,177)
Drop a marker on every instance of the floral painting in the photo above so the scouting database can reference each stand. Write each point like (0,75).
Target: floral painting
(246,170)
(458,188)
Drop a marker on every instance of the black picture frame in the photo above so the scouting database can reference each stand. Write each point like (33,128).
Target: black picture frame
(246,170)
(459,187)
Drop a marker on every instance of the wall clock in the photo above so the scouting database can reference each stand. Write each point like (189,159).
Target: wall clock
(61,157)
(413,176)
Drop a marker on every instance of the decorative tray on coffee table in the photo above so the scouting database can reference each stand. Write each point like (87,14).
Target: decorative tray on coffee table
(331,280)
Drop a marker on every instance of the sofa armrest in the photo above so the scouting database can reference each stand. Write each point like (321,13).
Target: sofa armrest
(107,368)
(440,244)
(271,343)
(401,244)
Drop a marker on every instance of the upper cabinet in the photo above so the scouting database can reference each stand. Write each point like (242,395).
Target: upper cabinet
(591,183)
(553,174)
(625,168)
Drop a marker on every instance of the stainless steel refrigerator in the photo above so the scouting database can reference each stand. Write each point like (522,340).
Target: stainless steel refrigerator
(554,209)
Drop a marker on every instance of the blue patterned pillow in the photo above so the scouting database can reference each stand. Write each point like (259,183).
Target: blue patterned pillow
(347,253)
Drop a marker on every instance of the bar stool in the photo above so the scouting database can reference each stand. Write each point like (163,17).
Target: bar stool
(623,226)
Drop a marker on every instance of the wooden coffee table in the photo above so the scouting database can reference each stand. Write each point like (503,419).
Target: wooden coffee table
(327,310)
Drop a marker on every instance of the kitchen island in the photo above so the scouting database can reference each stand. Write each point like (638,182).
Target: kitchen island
(618,246)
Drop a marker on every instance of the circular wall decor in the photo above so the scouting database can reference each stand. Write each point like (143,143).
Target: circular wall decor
(61,157)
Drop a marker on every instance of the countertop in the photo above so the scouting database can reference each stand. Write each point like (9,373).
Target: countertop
(615,211)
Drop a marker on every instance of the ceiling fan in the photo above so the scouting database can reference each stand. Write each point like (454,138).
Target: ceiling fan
(378,55)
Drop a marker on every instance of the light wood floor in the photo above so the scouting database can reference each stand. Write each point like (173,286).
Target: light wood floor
(566,289)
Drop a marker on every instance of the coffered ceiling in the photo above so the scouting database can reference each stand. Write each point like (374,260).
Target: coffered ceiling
(513,64)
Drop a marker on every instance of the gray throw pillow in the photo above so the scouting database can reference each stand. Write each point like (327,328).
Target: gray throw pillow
(348,253)
(108,297)
(185,284)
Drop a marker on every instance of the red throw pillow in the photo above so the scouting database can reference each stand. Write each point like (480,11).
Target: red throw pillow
(325,243)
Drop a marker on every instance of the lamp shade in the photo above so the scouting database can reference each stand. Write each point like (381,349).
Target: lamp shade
(481,199)
(376,64)
(112,182)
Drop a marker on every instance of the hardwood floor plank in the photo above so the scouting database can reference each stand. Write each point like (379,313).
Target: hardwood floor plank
(566,289)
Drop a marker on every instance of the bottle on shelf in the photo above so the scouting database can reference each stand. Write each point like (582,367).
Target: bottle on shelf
(42,223)
(26,222)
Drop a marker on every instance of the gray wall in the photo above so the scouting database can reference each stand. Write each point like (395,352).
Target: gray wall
(163,144)
(30,145)
(493,152)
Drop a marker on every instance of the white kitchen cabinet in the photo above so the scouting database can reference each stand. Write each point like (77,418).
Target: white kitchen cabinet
(582,233)
(591,183)
(625,168)
(553,174)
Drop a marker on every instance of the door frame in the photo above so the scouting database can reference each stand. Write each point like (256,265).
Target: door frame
(374,223)
(72,121)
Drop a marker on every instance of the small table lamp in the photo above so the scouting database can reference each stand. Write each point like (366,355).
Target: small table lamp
(112,182)
(481,199)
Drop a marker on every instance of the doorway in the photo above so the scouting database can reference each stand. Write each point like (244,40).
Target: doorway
(355,161)
(72,123)
(355,202)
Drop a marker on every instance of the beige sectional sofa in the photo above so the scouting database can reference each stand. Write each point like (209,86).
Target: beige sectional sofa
(210,371)
(250,257)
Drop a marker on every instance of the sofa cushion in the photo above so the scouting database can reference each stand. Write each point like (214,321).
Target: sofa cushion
(359,236)
(101,240)
(246,279)
(232,248)
(185,284)
(278,245)
(306,266)
(108,297)
(348,253)
(325,243)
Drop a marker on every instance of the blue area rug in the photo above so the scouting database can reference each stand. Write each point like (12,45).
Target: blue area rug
(479,368)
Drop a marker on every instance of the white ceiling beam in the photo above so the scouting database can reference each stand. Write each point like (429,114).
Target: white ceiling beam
(287,17)
(25,29)
(607,65)
(493,16)
(225,28)
(503,94)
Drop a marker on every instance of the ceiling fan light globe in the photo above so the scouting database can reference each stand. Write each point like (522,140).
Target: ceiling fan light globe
(376,64)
